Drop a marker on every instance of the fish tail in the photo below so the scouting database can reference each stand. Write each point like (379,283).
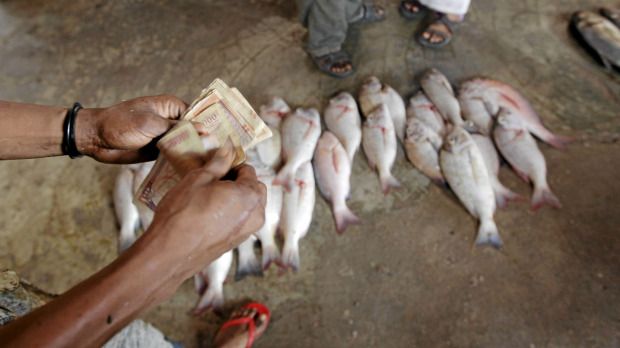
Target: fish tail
(270,254)
(290,254)
(504,195)
(488,234)
(558,141)
(285,177)
(344,218)
(388,182)
(543,196)
(213,297)
(248,266)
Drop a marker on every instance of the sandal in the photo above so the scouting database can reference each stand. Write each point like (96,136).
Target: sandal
(612,15)
(435,18)
(326,63)
(372,13)
(406,11)
(250,321)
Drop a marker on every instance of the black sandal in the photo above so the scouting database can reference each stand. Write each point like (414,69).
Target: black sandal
(372,13)
(612,15)
(434,18)
(407,13)
(327,62)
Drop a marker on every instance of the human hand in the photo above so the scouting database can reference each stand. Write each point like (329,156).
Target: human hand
(202,217)
(125,132)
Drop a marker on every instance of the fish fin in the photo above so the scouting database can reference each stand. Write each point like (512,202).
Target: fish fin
(504,195)
(544,196)
(199,283)
(344,218)
(284,178)
(213,298)
(389,182)
(290,255)
(270,254)
(488,234)
(521,174)
(249,267)
(558,141)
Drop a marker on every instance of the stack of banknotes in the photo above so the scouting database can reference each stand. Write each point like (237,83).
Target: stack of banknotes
(221,113)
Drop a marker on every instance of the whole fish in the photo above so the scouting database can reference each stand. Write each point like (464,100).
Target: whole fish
(300,133)
(273,207)
(423,109)
(601,34)
(297,208)
(439,90)
(269,151)
(210,283)
(146,214)
(379,143)
(521,151)
(475,110)
(343,119)
(503,195)
(247,263)
(495,95)
(373,93)
(422,146)
(464,169)
(333,171)
(126,212)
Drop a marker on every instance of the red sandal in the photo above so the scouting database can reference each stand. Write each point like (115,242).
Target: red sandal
(261,309)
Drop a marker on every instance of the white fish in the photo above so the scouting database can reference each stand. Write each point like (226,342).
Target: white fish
(521,151)
(379,143)
(493,95)
(503,195)
(422,146)
(126,212)
(374,93)
(247,262)
(269,151)
(210,283)
(476,111)
(423,109)
(146,213)
(300,133)
(439,90)
(464,169)
(333,171)
(343,119)
(297,209)
(274,112)
(273,207)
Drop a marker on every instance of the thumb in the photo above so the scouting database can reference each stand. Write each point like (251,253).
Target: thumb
(152,125)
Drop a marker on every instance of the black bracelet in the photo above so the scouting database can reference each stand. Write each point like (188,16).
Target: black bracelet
(68,139)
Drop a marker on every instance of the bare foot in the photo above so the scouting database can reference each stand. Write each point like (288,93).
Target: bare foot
(237,336)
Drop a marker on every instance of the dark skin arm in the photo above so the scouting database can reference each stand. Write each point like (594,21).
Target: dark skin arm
(196,222)
(122,133)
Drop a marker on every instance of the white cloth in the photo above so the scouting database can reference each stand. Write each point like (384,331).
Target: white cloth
(457,7)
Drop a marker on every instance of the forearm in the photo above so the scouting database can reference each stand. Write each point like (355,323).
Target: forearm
(93,311)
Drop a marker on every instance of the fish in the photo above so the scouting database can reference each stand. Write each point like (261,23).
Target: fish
(342,118)
(475,110)
(495,95)
(373,93)
(297,209)
(126,212)
(269,151)
(332,170)
(600,34)
(422,147)
(209,283)
(273,207)
(465,171)
(247,262)
(439,90)
(423,109)
(503,195)
(300,133)
(379,144)
(519,148)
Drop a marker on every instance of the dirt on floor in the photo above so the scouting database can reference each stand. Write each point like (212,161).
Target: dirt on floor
(409,275)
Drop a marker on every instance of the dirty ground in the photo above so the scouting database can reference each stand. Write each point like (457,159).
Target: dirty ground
(409,275)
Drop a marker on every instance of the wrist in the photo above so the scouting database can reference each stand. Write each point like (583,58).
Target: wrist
(87,131)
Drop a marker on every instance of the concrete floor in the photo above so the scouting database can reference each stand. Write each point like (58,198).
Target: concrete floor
(409,275)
